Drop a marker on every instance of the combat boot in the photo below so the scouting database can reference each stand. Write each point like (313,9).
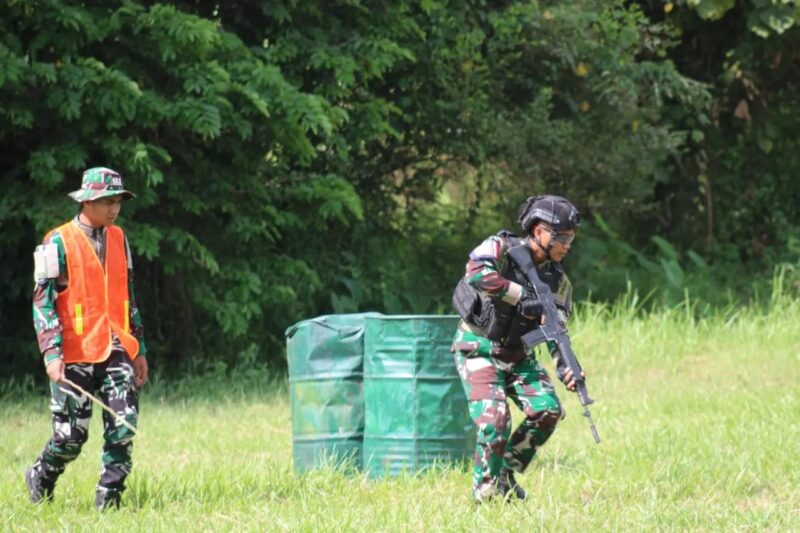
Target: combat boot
(507,485)
(485,493)
(105,499)
(40,488)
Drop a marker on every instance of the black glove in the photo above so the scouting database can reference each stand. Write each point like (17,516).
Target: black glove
(530,306)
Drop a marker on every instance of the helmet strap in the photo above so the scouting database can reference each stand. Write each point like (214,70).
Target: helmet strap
(545,249)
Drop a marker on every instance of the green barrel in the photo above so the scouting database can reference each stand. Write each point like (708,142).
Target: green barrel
(326,361)
(416,410)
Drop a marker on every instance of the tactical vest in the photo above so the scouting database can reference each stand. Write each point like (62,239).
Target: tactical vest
(96,300)
(499,319)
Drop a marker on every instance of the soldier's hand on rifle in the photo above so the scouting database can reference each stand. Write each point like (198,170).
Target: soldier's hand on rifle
(569,380)
(531,307)
(55,370)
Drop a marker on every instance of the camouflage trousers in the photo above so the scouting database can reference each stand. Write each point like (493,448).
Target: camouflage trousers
(111,382)
(489,379)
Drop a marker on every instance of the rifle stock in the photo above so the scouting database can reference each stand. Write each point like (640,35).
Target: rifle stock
(553,329)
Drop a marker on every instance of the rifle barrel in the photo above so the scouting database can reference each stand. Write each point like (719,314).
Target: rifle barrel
(588,415)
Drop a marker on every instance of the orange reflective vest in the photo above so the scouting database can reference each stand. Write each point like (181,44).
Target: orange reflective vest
(96,300)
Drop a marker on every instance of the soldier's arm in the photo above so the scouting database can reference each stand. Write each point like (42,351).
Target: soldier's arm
(135,316)
(484,270)
(45,317)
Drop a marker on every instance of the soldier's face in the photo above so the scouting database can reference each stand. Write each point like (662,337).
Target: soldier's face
(103,212)
(562,241)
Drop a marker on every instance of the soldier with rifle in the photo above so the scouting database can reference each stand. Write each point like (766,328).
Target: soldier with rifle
(514,296)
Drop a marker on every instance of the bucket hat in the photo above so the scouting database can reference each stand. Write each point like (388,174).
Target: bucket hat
(100,182)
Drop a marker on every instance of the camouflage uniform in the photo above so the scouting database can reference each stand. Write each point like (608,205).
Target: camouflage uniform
(491,373)
(112,383)
(112,380)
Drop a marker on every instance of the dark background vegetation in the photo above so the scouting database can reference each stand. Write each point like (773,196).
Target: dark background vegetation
(299,158)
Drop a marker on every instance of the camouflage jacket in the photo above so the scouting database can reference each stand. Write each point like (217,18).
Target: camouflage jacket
(488,261)
(45,293)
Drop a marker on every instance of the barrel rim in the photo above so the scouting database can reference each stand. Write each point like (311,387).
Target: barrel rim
(321,319)
(411,317)
(316,437)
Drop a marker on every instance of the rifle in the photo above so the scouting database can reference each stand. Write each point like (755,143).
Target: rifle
(554,329)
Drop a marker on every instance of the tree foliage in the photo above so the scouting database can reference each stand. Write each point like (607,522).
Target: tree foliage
(734,194)
(298,158)
(215,140)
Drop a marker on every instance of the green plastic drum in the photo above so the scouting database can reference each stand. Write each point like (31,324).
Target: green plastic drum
(326,361)
(416,410)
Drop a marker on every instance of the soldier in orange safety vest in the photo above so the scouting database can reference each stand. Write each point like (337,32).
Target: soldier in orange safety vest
(90,333)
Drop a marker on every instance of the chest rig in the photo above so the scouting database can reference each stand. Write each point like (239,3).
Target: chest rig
(499,319)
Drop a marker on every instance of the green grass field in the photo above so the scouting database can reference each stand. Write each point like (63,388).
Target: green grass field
(700,420)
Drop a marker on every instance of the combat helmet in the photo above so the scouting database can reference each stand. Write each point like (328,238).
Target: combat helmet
(555,211)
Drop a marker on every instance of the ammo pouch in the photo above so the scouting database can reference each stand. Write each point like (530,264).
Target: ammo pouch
(497,326)
(471,306)
(519,327)
(495,317)
(507,326)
